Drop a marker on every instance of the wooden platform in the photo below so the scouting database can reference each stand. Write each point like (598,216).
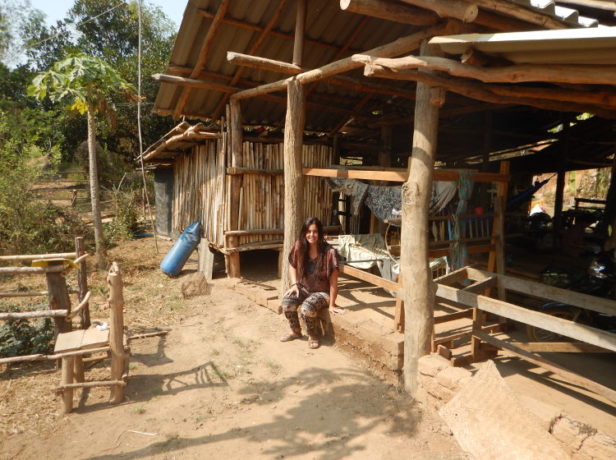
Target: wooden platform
(80,339)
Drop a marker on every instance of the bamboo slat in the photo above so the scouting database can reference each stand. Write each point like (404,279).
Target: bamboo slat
(201,188)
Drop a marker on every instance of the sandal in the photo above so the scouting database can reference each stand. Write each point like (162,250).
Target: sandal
(290,336)
(313,343)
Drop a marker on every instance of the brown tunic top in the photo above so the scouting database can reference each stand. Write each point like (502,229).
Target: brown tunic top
(311,280)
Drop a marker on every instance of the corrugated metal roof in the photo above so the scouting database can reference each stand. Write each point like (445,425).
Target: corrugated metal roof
(327,31)
(565,46)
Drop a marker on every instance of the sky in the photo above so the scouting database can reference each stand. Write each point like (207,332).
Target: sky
(56,9)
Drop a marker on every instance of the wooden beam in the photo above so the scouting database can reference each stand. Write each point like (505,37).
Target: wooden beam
(205,84)
(560,326)
(194,83)
(298,38)
(59,255)
(399,175)
(273,32)
(456,9)
(544,291)
(483,92)
(390,11)
(203,55)
(400,46)
(549,73)
(559,347)
(370,278)
(525,14)
(569,376)
(34,314)
(418,292)
(293,178)
(256,44)
(292,69)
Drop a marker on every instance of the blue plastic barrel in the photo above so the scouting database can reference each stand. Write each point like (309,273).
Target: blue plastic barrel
(178,255)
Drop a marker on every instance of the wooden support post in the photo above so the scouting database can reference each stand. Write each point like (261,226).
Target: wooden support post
(67,379)
(484,198)
(78,369)
(116,330)
(232,260)
(59,299)
(293,178)
(560,184)
(82,281)
(496,258)
(418,287)
(206,259)
(399,311)
(300,25)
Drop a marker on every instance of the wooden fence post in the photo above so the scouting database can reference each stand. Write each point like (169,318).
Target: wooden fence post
(116,332)
(58,298)
(68,364)
(82,281)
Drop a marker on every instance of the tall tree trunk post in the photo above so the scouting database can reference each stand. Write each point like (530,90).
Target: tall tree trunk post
(418,287)
(235,125)
(94,190)
(293,175)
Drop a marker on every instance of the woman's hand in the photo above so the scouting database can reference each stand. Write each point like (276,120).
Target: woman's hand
(293,290)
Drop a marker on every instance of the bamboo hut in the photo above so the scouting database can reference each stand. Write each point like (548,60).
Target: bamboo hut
(200,188)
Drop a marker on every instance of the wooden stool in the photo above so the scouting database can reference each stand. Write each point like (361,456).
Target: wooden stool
(73,345)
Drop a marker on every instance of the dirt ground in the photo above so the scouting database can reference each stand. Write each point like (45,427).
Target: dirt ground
(219,385)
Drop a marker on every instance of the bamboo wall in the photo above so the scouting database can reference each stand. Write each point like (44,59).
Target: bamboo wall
(202,189)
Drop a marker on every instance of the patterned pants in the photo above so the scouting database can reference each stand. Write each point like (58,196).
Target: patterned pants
(309,305)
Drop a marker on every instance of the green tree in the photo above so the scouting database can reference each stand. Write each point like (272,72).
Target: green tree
(108,30)
(85,84)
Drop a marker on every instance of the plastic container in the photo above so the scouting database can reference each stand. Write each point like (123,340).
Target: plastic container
(180,252)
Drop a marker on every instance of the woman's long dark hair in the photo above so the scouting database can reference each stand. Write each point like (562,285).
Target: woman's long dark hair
(302,254)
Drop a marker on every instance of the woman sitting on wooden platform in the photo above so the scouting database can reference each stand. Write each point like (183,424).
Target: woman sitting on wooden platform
(314,276)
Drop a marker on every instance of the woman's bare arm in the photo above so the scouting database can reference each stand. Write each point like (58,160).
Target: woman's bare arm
(333,288)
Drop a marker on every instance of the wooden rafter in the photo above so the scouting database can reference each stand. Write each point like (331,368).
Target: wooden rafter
(519,12)
(390,11)
(291,69)
(263,34)
(203,55)
(214,86)
(395,48)
(273,32)
(549,73)
(457,9)
(484,93)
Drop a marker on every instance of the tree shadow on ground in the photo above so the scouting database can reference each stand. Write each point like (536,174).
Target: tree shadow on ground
(326,423)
